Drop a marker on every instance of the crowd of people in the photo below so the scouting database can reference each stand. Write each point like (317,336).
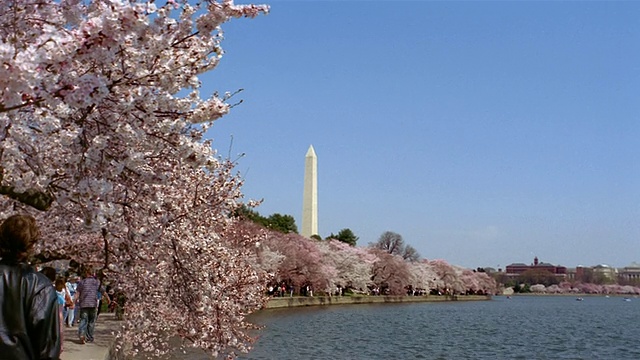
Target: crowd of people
(37,305)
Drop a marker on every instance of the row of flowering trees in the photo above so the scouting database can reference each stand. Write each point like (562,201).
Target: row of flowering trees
(585,288)
(324,265)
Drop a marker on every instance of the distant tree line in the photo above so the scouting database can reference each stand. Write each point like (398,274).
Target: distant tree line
(540,280)
(287,224)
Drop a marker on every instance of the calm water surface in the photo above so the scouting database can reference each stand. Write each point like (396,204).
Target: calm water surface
(524,327)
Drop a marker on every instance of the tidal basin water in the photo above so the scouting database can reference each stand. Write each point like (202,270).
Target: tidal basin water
(523,327)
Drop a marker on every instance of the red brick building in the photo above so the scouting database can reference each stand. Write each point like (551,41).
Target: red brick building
(518,268)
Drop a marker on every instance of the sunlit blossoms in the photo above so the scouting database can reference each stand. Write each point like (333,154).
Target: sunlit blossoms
(326,266)
(101,125)
(353,265)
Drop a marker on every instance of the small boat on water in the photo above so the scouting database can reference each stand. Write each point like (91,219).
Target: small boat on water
(627,299)
(579,299)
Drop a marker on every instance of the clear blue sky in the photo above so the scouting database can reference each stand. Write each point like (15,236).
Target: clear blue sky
(483,132)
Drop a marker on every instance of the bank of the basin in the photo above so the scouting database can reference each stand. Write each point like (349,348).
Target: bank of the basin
(284,302)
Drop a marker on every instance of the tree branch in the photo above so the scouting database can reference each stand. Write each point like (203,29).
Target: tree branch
(34,198)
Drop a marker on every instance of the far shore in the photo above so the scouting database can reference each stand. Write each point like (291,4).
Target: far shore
(571,294)
(295,301)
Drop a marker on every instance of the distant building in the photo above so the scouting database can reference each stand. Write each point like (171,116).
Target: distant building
(490,270)
(599,274)
(629,274)
(516,269)
(575,273)
(605,272)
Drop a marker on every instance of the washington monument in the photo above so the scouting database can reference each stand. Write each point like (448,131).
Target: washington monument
(310,196)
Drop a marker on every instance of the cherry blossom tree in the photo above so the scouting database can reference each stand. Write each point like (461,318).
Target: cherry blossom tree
(628,289)
(302,262)
(390,273)
(538,288)
(476,282)
(424,276)
(102,125)
(486,283)
(353,265)
(565,286)
(448,275)
(555,289)
(266,259)
(470,281)
(589,288)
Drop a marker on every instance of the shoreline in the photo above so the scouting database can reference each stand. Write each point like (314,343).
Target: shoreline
(572,294)
(297,301)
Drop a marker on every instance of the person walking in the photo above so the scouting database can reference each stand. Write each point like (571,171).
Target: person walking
(71,289)
(30,324)
(63,299)
(101,295)
(87,291)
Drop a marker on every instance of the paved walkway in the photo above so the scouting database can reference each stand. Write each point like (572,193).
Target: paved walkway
(97,350)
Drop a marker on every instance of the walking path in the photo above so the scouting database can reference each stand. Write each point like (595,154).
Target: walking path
(106,326)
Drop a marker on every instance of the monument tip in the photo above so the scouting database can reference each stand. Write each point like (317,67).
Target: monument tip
(311,151)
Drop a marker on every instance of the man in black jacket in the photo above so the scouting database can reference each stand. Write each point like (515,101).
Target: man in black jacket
(29,325)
